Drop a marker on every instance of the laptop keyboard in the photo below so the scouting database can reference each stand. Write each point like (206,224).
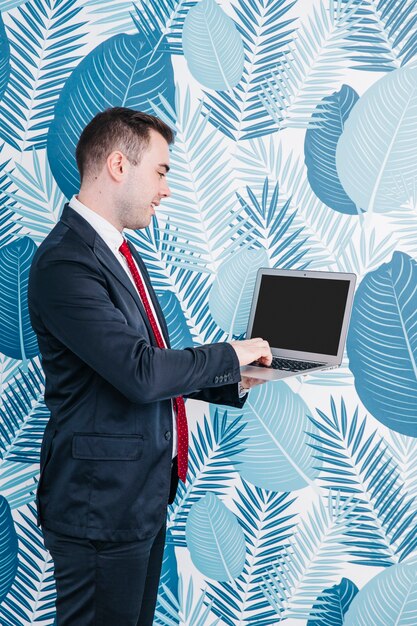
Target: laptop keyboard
(278,363)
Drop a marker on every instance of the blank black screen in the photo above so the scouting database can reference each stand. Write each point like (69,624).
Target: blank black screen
(298,313)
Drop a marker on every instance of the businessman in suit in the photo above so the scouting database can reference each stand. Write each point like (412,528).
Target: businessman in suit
(117,438)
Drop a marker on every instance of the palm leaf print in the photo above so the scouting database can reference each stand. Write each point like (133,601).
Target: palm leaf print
(404,450)
(4,59)
(17,338)
(267,525)
(8,228)
(37,200)
(380,129)
(276,455)
(238,113)
(31,598)
(325,230)
(320,149)
(210,468)
(356,463)
(312,560)
(202,207)
(23,417)
(231,292)
(184,608)
(387,37)
(43,54)
(8,549)
(274,228)
(294,89)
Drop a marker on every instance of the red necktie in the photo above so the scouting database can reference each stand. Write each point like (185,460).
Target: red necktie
(179,404)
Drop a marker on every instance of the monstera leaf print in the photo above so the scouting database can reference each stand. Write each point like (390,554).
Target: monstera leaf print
(215,539)
(320,149)
(212,46)
(376,156)
(389,598)
(382,343)
(276,454)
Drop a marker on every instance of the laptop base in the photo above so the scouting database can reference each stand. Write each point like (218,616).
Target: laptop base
(267,373)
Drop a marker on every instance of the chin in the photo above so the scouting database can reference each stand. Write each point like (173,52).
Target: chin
(141,225)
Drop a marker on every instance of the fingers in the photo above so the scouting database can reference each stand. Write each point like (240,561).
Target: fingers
(265,356)
(250,350)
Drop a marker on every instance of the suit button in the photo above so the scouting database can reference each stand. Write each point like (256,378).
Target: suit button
(168,435)
(216,379)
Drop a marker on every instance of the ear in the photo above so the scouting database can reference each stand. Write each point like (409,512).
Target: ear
(117,164)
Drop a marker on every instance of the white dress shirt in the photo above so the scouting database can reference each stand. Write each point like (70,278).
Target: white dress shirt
(114,239)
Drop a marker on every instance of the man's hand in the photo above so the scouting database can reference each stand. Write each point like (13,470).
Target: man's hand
(248,382)
(250,350)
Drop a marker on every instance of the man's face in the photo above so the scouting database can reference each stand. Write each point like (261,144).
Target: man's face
(145,185)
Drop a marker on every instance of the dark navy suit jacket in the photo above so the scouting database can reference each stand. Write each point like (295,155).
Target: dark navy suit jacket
(107,449)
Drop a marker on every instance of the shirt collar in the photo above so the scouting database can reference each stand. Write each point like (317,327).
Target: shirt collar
(109,233)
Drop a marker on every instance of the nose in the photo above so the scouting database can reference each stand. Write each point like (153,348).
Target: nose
(165,191)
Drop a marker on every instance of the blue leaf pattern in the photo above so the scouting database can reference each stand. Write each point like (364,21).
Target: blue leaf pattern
(212,46)
(179,333)
(382,343)
(380,130)
(215,539)
(391,596)
(387,38)
(17,338)
(266,32)
(231,293)
(4,58)
(169,573)
(320,149)
(303,495)
(6,5)
(333,603)
(354,463)
(8,549)
(276,456)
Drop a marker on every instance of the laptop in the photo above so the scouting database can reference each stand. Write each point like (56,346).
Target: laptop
(304,316)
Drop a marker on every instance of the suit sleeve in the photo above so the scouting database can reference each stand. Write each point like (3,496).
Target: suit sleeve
(227,395)
(70,300)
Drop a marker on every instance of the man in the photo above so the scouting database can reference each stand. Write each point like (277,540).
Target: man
(109,462)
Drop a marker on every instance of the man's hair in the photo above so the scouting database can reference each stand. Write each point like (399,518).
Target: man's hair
(118,128)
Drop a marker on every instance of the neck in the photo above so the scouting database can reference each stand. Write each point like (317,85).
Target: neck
(98,201)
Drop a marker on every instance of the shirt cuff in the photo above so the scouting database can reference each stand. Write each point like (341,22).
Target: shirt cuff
(242,391)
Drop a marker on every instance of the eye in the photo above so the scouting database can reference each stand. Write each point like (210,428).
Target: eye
(161,174)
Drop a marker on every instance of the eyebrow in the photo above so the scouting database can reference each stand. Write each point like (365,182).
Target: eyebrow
(165,166)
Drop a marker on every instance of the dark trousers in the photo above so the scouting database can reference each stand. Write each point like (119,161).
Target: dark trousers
(103,583)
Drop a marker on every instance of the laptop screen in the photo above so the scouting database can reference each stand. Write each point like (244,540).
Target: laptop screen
(298,313)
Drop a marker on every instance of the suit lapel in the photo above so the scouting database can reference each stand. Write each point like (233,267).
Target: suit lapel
(76,222)
(106,256)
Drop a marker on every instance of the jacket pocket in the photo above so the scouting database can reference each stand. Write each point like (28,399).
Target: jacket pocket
(100,447)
